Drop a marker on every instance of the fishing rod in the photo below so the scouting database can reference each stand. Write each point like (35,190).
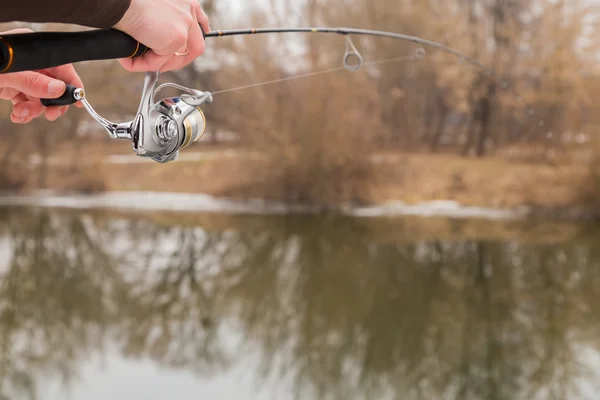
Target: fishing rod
(162,128)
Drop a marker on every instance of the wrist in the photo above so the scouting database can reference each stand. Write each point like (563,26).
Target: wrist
(128,22)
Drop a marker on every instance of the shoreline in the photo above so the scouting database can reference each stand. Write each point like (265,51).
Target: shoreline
(147,201)
(401,184)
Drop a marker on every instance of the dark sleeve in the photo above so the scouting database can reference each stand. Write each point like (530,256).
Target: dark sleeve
(90,13)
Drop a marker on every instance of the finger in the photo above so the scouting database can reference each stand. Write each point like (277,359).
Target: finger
(30,108)
(176,37)
(20,113)
(202,18)
(17,30)
(174,63)
(67,74)
(32,112)
(7,93)
(178,60)
(27,108)
(20,110)
(195,48)
(196,44)
(53,113)
(148,62)
(34,84)
(18,98)
(18,120)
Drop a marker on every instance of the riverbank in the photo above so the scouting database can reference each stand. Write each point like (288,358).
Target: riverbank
(204,203)
(399,184)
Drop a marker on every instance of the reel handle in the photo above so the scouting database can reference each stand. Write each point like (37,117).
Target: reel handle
(39,50)
(71,96)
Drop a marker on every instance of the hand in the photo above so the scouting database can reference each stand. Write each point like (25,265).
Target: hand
(166,27)
(25,89)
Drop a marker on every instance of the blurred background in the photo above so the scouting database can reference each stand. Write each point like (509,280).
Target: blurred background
(411,129)
(101,301)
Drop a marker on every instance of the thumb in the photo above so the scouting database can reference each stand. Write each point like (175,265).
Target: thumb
(34,84)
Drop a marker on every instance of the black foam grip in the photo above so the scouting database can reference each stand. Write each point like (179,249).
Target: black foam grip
(39,50)
(66,99)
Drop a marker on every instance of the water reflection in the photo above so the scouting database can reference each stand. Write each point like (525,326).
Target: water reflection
(337,308)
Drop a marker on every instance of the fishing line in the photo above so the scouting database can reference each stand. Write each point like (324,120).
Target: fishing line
(351,51)
(316,73)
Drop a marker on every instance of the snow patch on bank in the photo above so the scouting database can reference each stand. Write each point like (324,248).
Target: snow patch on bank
(446,208)
(143,201)
(191,202)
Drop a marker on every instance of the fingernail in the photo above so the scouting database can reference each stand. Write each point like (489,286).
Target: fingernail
(56,87)
(22,112)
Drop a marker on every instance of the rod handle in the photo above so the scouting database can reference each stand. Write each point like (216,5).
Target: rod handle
(40,50)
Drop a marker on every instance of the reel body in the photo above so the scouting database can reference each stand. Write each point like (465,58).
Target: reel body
(161,128)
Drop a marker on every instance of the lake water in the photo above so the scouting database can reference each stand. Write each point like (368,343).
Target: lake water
(107,305)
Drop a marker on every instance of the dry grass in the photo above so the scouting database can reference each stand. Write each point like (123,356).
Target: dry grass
(413,178)
(84,181)
(314,151)
(490,182)
(89,179)
(12,179)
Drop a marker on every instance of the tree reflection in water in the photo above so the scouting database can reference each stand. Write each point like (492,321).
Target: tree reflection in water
(342,309)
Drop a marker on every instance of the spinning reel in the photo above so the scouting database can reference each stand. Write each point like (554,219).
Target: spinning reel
(159,129)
